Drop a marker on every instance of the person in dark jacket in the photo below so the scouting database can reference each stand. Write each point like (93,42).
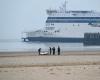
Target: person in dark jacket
(53,49)
(58,50)
(50,50)
(39,51)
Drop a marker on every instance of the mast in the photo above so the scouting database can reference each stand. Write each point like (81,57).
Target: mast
(65,5)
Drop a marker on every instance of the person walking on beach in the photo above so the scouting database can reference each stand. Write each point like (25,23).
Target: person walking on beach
(53,49)
(58,50)
(39,51)
(50,50)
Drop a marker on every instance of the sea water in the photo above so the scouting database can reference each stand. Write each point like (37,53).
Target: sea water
(17,45)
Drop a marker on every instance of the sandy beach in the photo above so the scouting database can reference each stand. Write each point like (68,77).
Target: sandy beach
(69,66)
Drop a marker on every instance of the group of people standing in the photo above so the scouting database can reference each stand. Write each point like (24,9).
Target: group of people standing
(52,51)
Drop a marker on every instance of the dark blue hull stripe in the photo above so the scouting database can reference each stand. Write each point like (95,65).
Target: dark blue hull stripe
(58,39)
(73,18)
(72,21)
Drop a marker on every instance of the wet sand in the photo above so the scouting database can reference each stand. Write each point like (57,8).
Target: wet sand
(69,66)
(64,53)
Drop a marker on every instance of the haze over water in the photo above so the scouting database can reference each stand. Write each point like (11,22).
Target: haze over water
(17,16)
(17,45)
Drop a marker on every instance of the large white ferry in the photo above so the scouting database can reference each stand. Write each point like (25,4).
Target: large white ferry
(66,26)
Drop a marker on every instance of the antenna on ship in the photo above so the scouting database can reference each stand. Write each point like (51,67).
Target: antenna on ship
(64,5)
(63,8)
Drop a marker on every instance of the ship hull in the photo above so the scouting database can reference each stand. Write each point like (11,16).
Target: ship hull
(55,39)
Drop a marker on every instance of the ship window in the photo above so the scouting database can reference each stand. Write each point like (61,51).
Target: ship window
(74,14)
(76,25)
(52,24)
(58,31)
(45,31)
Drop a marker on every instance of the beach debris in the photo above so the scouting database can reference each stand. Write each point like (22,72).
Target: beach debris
(44,53)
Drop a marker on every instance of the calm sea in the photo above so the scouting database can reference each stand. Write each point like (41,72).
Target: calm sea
(17,45)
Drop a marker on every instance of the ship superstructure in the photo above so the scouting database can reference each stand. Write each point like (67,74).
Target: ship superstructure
(66,26)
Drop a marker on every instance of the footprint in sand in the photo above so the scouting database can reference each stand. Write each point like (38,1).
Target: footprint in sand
(84,67)
(5,71)
(49,70)
(58,68)
(68,73)
(52,73)
(98,67)
(94,63)
(21,70)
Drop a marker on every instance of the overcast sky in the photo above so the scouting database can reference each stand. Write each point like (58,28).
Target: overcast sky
(17,16)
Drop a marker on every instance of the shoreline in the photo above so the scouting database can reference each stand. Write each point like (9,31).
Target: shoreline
(34,53)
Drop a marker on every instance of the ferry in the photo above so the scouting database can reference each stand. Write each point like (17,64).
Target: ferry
(64,25)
